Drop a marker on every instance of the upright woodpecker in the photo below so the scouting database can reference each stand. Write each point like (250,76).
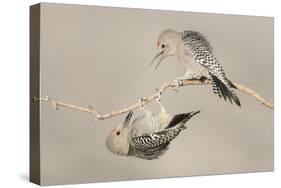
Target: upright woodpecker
(195,52)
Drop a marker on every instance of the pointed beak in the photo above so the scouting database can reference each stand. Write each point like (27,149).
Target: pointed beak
(159,57)
(127,119)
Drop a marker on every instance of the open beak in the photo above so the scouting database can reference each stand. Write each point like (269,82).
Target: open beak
(127,119)
(159,57)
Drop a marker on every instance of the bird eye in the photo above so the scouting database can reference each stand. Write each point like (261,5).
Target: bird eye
(163,46)
(118,133)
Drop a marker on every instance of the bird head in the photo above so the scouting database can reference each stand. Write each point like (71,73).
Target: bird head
(166,45)
(118,141)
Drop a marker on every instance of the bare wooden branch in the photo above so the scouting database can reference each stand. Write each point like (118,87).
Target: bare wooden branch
(254,94)
(145,100)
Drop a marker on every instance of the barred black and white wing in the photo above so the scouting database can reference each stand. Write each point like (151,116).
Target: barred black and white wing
(201,52)
(151,146)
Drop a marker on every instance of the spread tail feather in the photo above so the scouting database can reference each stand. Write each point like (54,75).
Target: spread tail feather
(225,91)
(181,119)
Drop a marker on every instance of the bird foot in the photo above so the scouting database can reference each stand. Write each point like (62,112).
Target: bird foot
(142,102)
(196,77)
(158,100)
(179,81)
(204,80)
(158,93)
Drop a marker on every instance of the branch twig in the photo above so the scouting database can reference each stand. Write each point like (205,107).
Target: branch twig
(146,100)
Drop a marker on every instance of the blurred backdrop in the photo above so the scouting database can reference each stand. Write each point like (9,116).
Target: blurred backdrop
(100,56)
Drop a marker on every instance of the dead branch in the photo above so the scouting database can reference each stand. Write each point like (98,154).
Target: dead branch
(145,100)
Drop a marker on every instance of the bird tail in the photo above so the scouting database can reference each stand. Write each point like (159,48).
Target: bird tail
(224,88)
(181,119)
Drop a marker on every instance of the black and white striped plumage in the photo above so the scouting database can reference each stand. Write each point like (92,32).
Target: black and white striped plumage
(147,137)
(201,52)
(151,146)
(195,53)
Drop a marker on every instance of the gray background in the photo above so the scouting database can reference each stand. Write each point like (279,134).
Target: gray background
(100,56)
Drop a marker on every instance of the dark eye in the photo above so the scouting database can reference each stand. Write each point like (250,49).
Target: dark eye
(118,132)
(163,46)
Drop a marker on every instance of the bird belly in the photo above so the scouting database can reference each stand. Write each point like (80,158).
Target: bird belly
(193,68)
(145,125)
